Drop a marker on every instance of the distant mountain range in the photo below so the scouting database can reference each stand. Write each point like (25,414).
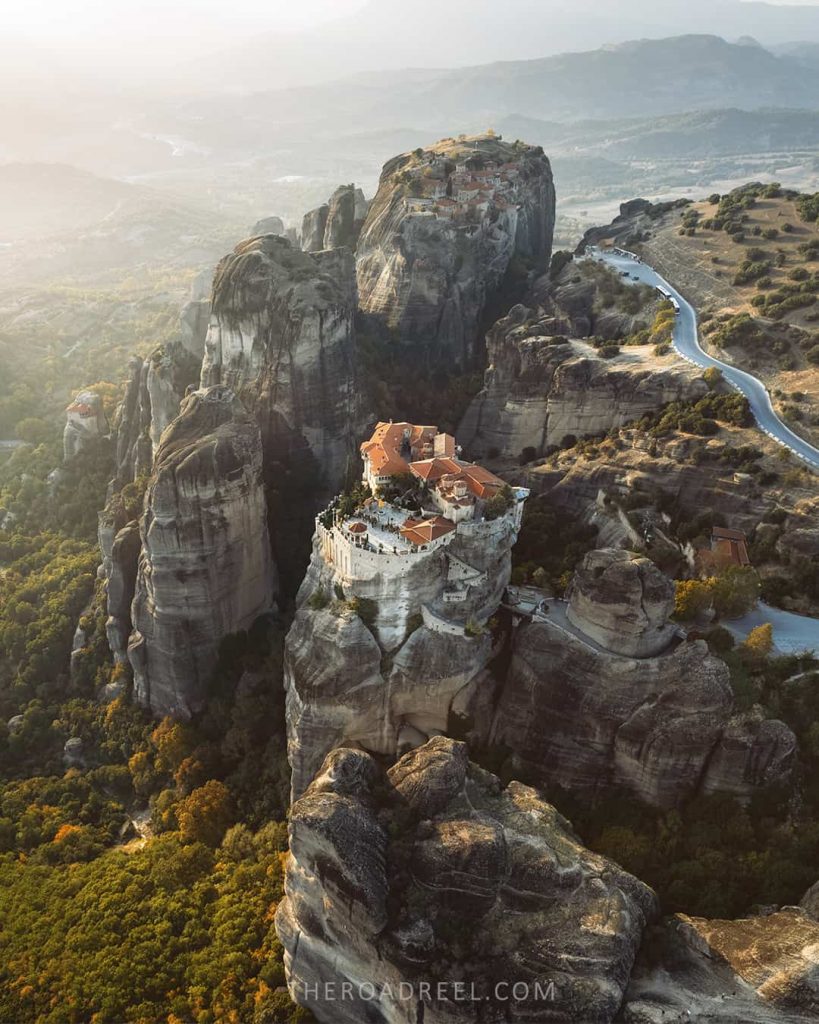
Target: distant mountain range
(644,79)
(456,33)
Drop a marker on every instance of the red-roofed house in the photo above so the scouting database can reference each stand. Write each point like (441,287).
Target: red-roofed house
(426,531)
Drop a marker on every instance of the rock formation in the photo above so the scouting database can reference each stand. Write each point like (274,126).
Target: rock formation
(267,226)
(574,711)
(391,684)
(430,255)
(205,568)
(85,423)
(623,602)
(336,223)
(281,337)
(156,387)
(758,970)
(543,385)
(433,873)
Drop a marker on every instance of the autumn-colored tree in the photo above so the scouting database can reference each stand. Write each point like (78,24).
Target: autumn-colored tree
(173,741)
(206,813)
(693,597)
(759,642)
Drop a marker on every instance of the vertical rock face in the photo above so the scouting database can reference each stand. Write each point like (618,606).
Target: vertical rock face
(541,385)
(281,337)
(313,227)
(205,568)
(435,874)
(758,970)
(337,222)
(85,422)
(624,602)
(441,233)
(390,685)
(596,699)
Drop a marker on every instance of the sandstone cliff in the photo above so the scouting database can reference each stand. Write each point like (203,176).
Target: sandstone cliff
(205,567)
(390,684)
(430,255)
(336,223)
(598,697)
(542,385)
(434,873)
(281,336)
(759,970)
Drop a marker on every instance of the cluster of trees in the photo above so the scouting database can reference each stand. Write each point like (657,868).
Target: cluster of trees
(37,498)
(46,582)
(701,417)
(731,593)
(175,931)
(550,545)
(787,298)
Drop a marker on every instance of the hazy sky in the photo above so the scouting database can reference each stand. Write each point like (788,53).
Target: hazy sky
(48,19)
(104,35)
(169,23)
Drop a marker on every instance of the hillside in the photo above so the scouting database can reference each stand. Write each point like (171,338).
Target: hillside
(739,285)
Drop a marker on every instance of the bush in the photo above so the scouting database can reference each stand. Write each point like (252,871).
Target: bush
(318,600)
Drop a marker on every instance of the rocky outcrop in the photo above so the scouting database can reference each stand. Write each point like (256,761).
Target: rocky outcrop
(336,223)
(623,602)
(588,721)
(758,970)
(205,568)
(752,752)
(391,683)
(596,700)
(543,385)
(434,874)
(153,393)
(85,423)
(120,563)
(281,337)
(268,226)
(634,223)
(429,258)
(195,314)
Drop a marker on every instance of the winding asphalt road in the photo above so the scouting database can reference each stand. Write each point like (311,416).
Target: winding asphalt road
(686,342)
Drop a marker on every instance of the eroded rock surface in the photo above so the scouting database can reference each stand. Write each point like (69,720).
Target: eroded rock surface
(543,384)
(430,256)
(758,970)
(205,568)
(595,699)
(623,602)
(432,873)
(391,683)
(281,337)
(336,223)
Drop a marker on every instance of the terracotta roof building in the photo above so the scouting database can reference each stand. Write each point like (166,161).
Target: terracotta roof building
(731,545)
(424,531)
(392,447)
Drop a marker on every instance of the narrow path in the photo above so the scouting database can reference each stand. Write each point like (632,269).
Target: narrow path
(686,343)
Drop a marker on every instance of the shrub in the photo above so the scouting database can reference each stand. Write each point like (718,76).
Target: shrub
(318,600)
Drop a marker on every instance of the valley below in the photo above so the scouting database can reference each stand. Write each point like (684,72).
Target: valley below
(409,581)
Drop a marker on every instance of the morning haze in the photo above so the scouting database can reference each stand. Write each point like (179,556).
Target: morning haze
(409,522)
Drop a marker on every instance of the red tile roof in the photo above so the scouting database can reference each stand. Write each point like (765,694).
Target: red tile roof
(423,531)
(387,442)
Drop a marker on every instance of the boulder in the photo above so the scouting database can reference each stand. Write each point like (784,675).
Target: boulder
(439,889)
(623,602)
